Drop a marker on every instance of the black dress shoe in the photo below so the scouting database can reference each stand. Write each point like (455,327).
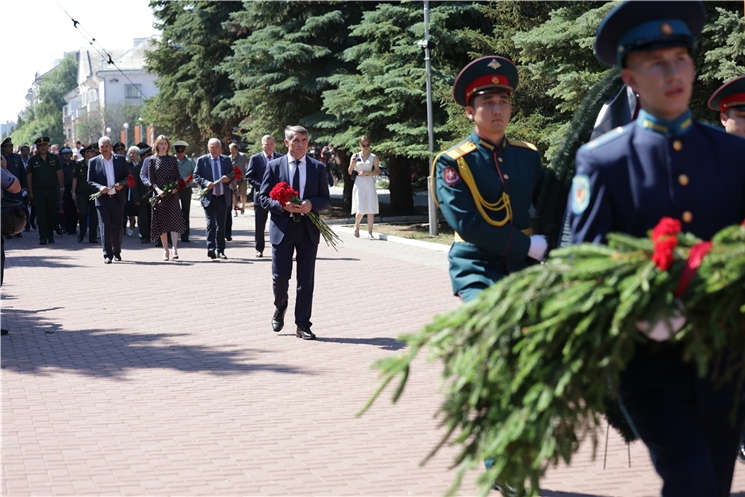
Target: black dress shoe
(80,238)
(229,238)
(51,240)
(106,260)
(92,241)
(211,254)
(305,333)
(221,255)
(59,231)
(33,225)
(43,241)
(27,228)
(143,240)
(278,320)
(4,331)
(117,258)
(19,235)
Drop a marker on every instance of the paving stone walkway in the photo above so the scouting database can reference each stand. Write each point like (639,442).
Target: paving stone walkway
(147,377)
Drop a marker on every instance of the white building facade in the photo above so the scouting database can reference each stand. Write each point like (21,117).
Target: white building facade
(109,95)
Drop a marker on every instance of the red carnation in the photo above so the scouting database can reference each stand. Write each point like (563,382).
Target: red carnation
(181,185)
(237,173)
(665,239)
(131,181)
(190,178)
(282,193)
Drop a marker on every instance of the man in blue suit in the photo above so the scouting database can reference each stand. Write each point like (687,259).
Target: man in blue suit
(255,174)
(212,172)
(665,164)
(104,172)
(290,230)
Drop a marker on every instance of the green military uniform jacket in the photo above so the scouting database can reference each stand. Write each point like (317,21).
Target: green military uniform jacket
(485,193)
(44,172)
(82,189)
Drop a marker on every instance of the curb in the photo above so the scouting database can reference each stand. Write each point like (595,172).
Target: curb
(397,239)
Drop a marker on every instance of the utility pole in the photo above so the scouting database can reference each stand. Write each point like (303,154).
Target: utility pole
(427,45)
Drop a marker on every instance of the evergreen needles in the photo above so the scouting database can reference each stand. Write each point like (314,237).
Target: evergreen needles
(528,364)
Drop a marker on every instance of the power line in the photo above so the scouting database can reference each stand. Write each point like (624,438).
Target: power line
(105,55)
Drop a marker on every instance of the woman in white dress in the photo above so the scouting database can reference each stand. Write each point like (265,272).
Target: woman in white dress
(364,197)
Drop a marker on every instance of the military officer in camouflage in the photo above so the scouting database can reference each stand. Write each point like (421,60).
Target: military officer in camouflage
(665,163)
(486,184)
(46,183)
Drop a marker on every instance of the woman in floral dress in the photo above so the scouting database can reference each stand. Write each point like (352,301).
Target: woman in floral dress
(163,170)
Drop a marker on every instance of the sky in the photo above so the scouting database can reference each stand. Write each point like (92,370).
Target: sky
(35,33)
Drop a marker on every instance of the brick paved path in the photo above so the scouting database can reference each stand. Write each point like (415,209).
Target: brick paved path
(158,378)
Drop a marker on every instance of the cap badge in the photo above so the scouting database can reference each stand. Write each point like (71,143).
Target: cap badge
(666,29)
(495,80)
(494,64)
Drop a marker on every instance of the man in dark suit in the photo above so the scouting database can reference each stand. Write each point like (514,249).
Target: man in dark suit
(291,231)
(212,172)
(255,174)
(104,172)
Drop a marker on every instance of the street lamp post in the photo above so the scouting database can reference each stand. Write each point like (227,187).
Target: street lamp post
(427,45)
(126,134)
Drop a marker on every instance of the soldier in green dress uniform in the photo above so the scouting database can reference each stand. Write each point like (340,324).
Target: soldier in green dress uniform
(81,194)
(46,184)
(485,185)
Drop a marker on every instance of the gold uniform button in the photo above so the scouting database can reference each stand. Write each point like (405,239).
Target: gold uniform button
(677,145)
(687,216)
(683,180)
(506,177)
(499,159)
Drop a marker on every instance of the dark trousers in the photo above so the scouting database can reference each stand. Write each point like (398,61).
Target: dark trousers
(144,213)
(260,216)
(2,260)
(185,198)
(683,420)
(32,213)
(87,216)
(70,209)
(296,241)
(46,209)
(229,221)
(110,217)
(216,214)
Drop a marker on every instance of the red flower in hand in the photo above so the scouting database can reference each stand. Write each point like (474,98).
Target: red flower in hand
(131,181)
(190,178)
(237,173)
(665,239)
(282,193)
(181,185)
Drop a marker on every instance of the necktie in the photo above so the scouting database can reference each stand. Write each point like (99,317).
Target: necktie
(216,176)
(296,177)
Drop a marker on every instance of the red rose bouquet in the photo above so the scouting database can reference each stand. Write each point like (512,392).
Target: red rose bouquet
(285,194)
(130,181)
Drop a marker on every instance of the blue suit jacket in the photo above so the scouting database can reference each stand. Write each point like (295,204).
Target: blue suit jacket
(316,191)
(203,175)
(97,178)
(631,177)
(255,171)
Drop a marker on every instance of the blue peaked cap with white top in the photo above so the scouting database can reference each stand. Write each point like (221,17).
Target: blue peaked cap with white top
(640,25)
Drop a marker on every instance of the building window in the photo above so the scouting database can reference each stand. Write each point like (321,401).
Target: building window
(132,91)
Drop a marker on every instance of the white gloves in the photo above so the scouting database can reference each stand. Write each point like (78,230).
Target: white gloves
(665,327)
(538,246)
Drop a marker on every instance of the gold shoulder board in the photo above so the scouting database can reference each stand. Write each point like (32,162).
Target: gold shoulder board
(464,148)
(522,144)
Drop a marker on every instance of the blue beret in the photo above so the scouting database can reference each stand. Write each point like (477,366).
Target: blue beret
(640,25)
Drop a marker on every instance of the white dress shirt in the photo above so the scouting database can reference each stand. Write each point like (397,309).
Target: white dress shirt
(108,166)
(303,173)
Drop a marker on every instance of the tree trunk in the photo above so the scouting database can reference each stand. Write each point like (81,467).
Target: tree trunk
(399,171)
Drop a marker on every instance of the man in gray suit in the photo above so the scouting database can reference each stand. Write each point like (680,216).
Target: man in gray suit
(255,174)
(212,172)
